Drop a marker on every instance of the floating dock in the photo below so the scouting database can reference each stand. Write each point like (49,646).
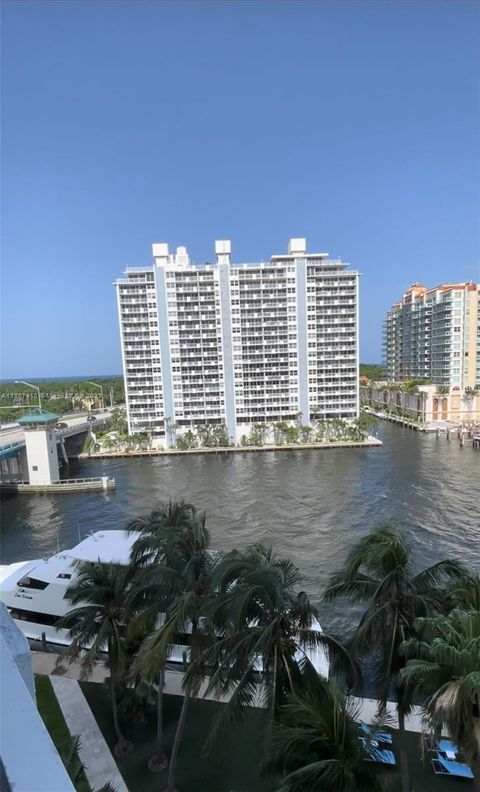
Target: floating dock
(102,483)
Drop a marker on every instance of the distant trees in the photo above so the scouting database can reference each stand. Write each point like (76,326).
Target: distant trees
(58,396)
(118,421)
(374,371)
(204,436)
(280,432)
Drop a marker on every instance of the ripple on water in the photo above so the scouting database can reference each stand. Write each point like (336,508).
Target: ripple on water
(311,506)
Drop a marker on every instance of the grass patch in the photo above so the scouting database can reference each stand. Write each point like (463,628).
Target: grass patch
(233,764)
(53,719)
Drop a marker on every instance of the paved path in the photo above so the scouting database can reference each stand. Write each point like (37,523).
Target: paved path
(369,707)
(94,753)
(44,663)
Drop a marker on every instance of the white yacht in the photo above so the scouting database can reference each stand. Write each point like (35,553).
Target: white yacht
(34,591)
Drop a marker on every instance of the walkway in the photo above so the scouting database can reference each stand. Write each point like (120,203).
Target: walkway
(326,445)
(44,663)
(100,766)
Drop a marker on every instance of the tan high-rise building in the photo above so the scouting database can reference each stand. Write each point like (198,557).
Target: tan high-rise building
(434,334)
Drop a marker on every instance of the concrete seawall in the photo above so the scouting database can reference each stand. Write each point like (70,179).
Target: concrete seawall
(368,443)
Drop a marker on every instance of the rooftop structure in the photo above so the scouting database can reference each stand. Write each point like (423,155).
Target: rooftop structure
(238,344)
(38,417)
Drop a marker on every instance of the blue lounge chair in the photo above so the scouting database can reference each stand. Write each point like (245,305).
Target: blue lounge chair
(448,748)
(378,754)
(442,766)
(381,736)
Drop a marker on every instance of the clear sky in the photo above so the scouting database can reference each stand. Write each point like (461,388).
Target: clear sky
(355,125)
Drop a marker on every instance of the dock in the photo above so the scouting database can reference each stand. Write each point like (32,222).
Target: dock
(102,483)
(384,416)
(450,431)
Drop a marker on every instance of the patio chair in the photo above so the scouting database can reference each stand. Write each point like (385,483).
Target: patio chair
(442,766)
(381,736)
(448,748)
(377,754)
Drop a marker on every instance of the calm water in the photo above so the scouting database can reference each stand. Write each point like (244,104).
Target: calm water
(310,505)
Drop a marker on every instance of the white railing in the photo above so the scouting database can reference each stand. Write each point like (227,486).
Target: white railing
(14,444)
(94,480)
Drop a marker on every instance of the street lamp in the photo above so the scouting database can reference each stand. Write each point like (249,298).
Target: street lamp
(101,389)
(35,387)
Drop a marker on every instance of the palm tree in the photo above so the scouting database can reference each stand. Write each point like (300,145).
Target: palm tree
(152,589)
(317,744)
(465,593)
(444,664)
(189,577)
(379,571)
(96,625)
(263,627)
(155,529)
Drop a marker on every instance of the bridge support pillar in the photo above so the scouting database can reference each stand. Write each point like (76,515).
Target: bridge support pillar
(64,453)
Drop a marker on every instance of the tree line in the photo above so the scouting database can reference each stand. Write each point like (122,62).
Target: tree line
(250,631)
(57,396)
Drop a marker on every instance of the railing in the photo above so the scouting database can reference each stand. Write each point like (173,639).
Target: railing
(12,445)
(94,480)
(78,428)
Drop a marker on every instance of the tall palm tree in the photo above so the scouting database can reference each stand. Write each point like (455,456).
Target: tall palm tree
(189,578)
(379,571)
(317,746)
(154,584)
(150,546)
(465,593)
(443,663)
(96,625)
(263,627)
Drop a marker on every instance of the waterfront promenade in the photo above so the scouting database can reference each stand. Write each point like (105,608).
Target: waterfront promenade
(369,442)
(45,663)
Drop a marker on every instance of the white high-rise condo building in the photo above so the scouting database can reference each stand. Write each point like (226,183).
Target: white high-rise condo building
(238,344)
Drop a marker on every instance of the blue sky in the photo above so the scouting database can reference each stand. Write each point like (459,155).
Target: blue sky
(125,123)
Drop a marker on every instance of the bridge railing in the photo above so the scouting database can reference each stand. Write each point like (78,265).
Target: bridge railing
(78,428)
(12,445)
(75,429)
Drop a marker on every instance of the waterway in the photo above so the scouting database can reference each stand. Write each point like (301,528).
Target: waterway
(311,506)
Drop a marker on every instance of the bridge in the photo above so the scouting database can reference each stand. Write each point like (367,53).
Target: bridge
(12,440)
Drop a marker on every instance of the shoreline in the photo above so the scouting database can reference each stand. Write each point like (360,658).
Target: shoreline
(370,442)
